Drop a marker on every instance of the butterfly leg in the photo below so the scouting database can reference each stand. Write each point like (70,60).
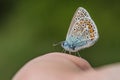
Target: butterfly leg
(75,53)
(69,52)
(78,54)
(64,51)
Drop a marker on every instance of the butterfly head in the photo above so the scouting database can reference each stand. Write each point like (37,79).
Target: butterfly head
(68,47)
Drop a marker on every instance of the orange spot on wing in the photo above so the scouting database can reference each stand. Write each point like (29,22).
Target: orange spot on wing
(92,36)
(91,30)
(89,26)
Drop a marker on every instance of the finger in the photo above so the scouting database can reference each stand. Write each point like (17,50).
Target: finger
(80,62)
(52,62)
(109,72)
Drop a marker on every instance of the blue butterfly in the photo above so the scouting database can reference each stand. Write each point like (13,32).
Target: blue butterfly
(82,32)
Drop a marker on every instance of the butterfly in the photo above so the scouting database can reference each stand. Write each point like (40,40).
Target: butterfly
(82,32)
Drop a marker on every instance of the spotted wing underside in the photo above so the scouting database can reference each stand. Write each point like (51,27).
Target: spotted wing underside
(82,28)
(80,13)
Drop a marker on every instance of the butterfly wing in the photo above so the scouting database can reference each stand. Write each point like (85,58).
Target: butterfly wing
(80,13)
(83,31)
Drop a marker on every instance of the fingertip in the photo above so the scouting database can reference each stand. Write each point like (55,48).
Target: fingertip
(79,61)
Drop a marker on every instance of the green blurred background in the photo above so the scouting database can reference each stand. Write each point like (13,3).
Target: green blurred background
(28,28)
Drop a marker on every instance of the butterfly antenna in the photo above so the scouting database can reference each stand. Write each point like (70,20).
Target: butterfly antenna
(57,43)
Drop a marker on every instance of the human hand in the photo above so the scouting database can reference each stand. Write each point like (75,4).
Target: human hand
(60,66)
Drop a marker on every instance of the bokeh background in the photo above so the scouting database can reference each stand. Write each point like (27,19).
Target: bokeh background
(28,28)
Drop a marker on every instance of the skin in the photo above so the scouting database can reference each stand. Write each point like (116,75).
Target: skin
(61,66)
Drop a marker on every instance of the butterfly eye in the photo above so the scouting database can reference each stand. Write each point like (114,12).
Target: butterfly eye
(64,43)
